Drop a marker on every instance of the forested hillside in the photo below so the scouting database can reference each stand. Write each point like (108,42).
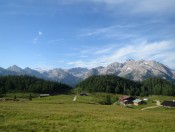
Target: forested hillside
(157,86)
(110,84)
(31,84)
(101,83)
(114,84)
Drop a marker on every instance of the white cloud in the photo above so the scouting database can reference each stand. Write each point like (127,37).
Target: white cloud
(99,31)
(129,6)
(155,6)
(133,6)
(160,51)
(144,50)
(106,30)
(78,63)
(86,64)
(40,33)
(117,32)
(103,51)
(35,40)
(140,6)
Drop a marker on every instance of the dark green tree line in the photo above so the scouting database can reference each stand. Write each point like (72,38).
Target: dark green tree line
(110,84)
(31,84)
(157,86)
(114,84)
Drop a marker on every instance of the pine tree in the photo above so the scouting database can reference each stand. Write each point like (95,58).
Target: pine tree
(108,100)
(15,98)
(30,97)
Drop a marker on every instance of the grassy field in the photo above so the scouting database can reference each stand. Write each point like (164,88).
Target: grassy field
(60,113)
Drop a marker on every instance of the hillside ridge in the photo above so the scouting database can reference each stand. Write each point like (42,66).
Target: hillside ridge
(137,70)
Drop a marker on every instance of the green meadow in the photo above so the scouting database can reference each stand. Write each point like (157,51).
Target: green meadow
(60,114)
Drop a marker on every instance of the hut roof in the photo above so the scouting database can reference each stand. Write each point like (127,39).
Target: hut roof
(137,100)
(124,97)
(169,103)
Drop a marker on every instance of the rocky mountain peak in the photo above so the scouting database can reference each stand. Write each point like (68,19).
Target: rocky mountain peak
(14,68)
(131,69)
(115,65)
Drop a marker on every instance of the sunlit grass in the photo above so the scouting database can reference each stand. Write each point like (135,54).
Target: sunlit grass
(60,113)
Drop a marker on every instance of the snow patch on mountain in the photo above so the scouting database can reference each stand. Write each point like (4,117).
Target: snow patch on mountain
(131,69)
(128,69)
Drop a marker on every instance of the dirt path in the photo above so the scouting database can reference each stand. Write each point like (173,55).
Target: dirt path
(152,107)
(75,98)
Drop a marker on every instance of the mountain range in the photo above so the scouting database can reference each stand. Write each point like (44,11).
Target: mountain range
(132,69)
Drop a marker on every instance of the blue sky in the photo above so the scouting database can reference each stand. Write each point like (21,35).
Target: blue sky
(85,33)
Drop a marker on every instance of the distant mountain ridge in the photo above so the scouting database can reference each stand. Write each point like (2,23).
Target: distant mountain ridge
(131,69)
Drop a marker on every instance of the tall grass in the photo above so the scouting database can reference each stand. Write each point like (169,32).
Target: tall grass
(60,113)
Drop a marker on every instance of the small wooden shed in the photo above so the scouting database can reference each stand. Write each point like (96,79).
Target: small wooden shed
(126,100)
(169,103)
(137,102)
(44,95)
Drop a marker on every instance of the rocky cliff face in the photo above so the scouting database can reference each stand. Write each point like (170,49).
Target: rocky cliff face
(135,70)
(131,69)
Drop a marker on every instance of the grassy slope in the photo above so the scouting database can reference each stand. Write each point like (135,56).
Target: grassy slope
(59,113)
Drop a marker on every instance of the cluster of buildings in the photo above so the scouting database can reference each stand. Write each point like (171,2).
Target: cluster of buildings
(169,103)
(124,100)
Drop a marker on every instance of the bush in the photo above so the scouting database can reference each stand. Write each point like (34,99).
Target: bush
(106,101)
(30,97)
